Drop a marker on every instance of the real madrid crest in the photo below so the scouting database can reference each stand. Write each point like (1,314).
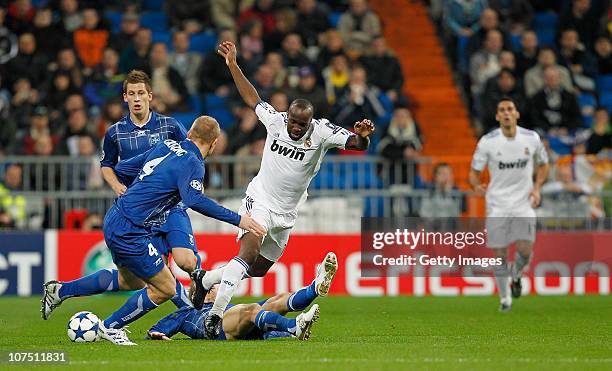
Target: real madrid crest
(308,143)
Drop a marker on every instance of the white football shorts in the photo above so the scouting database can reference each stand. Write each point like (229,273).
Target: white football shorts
(505,227)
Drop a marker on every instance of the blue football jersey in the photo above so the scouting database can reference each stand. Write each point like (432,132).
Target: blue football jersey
(166,174)
(125,140)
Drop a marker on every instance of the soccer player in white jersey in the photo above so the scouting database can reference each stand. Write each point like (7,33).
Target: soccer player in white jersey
(295,146)
(510,153)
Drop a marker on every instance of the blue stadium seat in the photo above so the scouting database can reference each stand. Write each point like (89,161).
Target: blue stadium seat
(156,5)
(115,21)
(162,37)
(516,42)
(213,101)
(185,118)
(223,116)
(334,18)
(545,21)
(156,21)
(462,62)
(605,99)
(203,42)
(587,103)
(329,177)
(374,207)
(546,38)
(363,176)
(39,3)
(196,104)
(604,83)
(559,147)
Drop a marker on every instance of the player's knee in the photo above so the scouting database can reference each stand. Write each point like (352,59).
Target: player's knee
(186,262)
(252,310)
(166,291)
(257,271)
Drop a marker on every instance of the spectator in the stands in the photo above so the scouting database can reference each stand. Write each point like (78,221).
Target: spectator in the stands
(263,10)
(584,18)
(554,110)
(331,45)
(245,131)
(527,55)
(577,60)
(488,22)
(312,20)
(504,84)
(534,77)
(275,61)
(280,101)
(389,79)
(90,39)
(77,126)
(67,62)
(358,26)
(61,88)
(28,63)
(308,89)
(285,23)
(189,15)
(251,43)
(39,127)
(358,101)
(401,144)
(106,80)
(566,196)
(461,19)
(442,200)
(214,76)
(293,52)
(263,81)
(71,17)
(46,176)
(225,12)
(515,15)
(336,77)
(484,64)
(85,175)
(603,52)
(130,23)
(167,84)
(112,111)
(24,99)
(601,133)
(186,63)
(8,130)
(13,208)
(136,56)
(50,35)
(20,15)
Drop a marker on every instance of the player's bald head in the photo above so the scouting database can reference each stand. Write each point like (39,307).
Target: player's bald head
(205,129)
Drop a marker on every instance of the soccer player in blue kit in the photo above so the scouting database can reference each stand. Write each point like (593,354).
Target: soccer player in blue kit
(255,321)
(169,173)
(133,135)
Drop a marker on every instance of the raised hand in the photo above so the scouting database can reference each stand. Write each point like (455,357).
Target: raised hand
(227,50)
(364,128)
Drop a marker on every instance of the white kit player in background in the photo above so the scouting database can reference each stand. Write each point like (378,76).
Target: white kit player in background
(295,146)
(510,153)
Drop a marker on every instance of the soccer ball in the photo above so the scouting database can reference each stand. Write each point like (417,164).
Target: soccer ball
(83,327)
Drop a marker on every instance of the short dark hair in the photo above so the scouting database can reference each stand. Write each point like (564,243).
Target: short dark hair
(506,98)
(135,77)
(302,104)
(439,166)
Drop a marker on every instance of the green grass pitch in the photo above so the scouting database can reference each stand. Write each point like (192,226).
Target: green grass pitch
(568,332)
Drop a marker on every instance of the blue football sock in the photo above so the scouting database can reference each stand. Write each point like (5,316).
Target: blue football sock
(275,335)
(180,299)
(267,321)
(135,307)
(96,283)
(302,298)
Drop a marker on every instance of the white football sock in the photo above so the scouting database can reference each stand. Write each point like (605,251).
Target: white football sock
(501,277)
(232,274)
(212,277)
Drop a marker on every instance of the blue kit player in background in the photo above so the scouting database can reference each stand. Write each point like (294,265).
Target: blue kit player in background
(256,321)
(133,135)
(169,173)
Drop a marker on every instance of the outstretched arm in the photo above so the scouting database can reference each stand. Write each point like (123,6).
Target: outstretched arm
(227,50)
(361,140)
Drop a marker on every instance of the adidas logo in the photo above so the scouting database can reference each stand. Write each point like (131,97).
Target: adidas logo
(291,152)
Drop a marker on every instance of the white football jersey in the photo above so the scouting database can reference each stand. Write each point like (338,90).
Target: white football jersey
(288,166)
(510,162)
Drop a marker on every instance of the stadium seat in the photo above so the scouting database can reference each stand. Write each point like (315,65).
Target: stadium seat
(156,21)
(223,116)
(462,62)
(516,42)
(605,99)
(587,103)
(162,37)
(334,18)
(374,207)
(154,5)
(604,83)
(202,42)
(196,104)
(185,118)
(213,101)
(115,21)
(545,21)
(546,38)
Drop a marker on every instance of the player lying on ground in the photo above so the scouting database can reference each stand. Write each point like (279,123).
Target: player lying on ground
(169,173)
(294,149)
(511,153)
(255,321)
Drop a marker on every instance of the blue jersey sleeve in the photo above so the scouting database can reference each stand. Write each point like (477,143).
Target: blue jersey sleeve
(190,187)
(110,149)
(180,133)
(127,170)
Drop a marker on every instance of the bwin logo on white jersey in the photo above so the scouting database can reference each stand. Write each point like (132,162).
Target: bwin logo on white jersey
(292,153)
